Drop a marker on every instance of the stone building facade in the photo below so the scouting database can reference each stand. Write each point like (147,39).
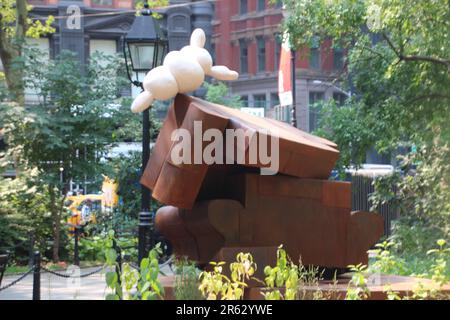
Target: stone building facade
(103,23)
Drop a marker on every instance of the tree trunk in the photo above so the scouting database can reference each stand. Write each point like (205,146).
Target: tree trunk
(14,81)
(10,49)
(55,212)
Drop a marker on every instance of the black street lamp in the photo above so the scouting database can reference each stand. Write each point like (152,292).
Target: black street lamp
(144,48)
(294,89)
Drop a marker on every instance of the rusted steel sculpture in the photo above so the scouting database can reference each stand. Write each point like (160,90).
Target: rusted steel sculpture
(218,206)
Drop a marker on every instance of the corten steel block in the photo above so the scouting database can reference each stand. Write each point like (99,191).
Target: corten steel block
(266,211)
(300,154)
(212,207)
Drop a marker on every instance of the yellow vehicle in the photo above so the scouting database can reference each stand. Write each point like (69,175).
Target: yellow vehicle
(97,203)
(75,203)
(109,190)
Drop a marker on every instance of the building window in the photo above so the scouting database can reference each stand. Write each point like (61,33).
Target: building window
(274,99)
(314,109)
(339,98)
(261,5)
(314,55)
(213,9)
(259,101)
(104,3)
(243,48)
(261,54)
(105,46)
(243,7)
(338,58)
(278,41)
(244,101)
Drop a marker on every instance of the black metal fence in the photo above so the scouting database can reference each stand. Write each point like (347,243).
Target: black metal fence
(362,188)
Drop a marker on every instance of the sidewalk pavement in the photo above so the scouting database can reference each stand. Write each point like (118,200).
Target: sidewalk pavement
(53,287)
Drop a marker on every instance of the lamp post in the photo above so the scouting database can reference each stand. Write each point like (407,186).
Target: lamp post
(294,90)
(144,48)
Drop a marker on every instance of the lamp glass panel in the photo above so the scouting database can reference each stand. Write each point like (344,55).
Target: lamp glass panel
(161,54)
(142,55)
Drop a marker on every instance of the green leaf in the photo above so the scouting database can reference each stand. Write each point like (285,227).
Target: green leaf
(111,296)
(111,279)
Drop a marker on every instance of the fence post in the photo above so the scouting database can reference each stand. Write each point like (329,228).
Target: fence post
(37,276)
(143,229)
(31,251)
(76,257)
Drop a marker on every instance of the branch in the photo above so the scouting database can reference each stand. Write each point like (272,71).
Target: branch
(428,59)
(427,96)
(402,57)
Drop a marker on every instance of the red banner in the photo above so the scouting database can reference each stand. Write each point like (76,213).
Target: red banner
(284,75)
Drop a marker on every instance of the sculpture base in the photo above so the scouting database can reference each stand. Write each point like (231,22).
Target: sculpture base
(311,218)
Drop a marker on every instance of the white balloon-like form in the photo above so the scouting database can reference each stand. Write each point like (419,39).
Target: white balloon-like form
(182,71)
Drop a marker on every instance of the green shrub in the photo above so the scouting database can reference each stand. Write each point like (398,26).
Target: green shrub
(186,286)
(131,284)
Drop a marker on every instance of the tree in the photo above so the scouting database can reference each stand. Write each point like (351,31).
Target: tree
(220,94)
(398,59)
(68,133)
(15,26)
(398,69)
(23,211)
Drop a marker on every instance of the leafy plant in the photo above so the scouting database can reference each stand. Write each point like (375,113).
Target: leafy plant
(284,274)
(139,285)
(214,285)
(299,282)
(385,261)
(186,286)
(357,287)
(437,271)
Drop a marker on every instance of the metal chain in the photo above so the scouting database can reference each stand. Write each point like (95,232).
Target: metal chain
(17,280)
(135,266)
(70,276)
(92,272)
(56,273)
(167,262)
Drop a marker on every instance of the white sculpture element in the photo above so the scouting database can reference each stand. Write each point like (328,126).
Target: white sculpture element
(182,71)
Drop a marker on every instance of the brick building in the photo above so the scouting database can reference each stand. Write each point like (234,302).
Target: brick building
(246,38)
